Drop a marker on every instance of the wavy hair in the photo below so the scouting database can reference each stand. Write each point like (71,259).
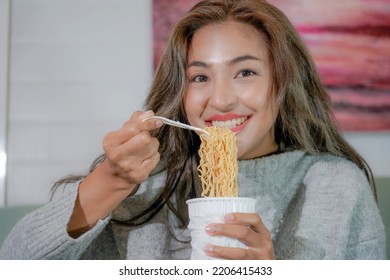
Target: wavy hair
(305,120)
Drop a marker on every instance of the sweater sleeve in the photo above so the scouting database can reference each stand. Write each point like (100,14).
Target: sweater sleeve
(43,234)
(340,218)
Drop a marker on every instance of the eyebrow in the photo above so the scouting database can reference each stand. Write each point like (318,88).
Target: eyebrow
(229,62)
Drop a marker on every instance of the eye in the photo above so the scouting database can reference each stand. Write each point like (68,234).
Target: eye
(199,79)
(245,73)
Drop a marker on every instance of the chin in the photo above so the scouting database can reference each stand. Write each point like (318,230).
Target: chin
(240,155)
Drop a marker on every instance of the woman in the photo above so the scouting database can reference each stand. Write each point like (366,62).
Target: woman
(240,65)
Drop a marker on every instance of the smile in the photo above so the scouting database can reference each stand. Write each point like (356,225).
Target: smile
(230,123)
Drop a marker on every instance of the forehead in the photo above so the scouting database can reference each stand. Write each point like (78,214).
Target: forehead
(227,40)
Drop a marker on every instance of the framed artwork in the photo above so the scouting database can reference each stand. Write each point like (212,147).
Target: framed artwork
(349,41)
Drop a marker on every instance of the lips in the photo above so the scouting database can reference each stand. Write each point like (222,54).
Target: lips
(229,124)
(233,122)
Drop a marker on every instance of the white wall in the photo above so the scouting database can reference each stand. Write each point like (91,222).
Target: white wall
(375,148)
(4,39)
(78,68)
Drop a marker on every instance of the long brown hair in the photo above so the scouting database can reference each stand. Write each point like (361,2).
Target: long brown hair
(305,120)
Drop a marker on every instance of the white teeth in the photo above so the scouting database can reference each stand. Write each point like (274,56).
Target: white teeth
(230,123)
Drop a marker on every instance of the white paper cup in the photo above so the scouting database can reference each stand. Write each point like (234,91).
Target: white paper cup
(203,211)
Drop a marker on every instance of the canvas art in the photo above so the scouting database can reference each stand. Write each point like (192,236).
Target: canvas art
(349,41)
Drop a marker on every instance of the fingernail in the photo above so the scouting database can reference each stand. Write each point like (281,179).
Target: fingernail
(229,217)
(211,229)
(148,113)
(159,123)
(209,249)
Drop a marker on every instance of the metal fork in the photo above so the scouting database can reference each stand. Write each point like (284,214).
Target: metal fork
(177,124)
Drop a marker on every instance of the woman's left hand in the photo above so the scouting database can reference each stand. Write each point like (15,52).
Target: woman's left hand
(250,230)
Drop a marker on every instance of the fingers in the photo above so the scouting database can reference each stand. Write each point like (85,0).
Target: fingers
(131,151)
(131,128)
(244,233)
(137,121)
(139,154)
(141,145)
(251,219)
(247,228)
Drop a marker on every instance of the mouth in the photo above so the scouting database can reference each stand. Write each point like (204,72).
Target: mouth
(230,123)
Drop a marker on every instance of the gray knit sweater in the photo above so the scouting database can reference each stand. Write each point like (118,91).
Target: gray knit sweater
(316,207)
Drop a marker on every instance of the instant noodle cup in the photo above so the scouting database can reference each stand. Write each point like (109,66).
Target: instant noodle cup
(203,211)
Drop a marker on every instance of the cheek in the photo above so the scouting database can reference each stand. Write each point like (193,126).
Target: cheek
(254,94)
(260,98)
(256,102)
(193,106)
(194,103)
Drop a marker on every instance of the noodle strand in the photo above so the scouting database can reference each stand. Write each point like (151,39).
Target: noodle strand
(218,166)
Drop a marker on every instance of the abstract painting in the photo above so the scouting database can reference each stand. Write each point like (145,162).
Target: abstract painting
(349,41)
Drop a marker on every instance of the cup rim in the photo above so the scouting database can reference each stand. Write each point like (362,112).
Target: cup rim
(205,199)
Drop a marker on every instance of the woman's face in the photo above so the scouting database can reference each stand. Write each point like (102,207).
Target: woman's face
(229,85)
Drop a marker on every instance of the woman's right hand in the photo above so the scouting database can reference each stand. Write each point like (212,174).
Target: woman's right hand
(131,152)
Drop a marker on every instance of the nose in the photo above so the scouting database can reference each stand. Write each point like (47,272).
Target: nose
(223,97)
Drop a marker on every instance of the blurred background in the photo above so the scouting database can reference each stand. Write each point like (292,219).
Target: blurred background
(73,70)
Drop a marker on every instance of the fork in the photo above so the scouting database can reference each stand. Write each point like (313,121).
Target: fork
(177,124)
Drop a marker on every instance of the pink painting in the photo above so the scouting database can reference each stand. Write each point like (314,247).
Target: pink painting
(350,44)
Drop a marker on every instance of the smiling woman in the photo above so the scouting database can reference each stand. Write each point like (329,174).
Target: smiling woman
(232,85)
(236,64)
